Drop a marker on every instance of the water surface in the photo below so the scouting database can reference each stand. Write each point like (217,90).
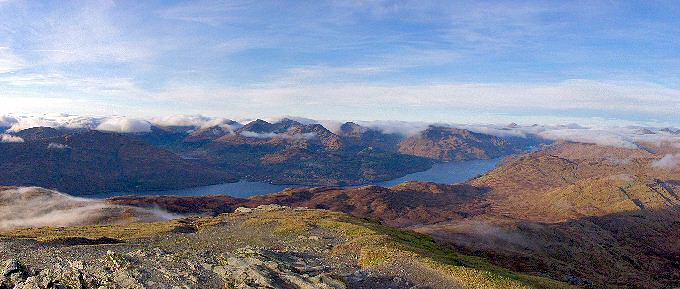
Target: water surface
(446,173)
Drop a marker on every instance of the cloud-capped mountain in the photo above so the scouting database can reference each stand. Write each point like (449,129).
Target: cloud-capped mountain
(186,152)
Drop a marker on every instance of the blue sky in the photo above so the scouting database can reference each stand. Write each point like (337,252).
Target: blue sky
(460,61)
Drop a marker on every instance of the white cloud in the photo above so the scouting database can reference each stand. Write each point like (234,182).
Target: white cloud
(68,53)
(124,125)
(332,125)
(54,121)
(206,12)
(9,62)
(619,136)
(98,86)
(669,162)
(297,136)
(196,121)
(113,123)
(7,121)
(594,136)
(625,137)
(26,123)
(497,130)
(388,63)
(302,120)
(561,96)
(89,35)
(404,128)
(57,146)
(35,207)
(6,138)
(224,123)
(181,120)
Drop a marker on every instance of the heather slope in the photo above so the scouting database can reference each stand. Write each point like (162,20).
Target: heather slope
(267,247)
(453,144)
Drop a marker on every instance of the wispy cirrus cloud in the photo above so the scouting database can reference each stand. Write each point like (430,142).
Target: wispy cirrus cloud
(88,33)
(9,61)
(207,12)
(560,96)
(87,84)
(423,60)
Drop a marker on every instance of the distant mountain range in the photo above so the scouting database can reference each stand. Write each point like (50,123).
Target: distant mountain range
(82,161)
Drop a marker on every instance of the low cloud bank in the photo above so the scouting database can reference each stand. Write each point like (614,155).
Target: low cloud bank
(36,207)
(302,120)
(593,136)
(181,120)
(404,128)
(114,123)
(125,125)
(54,121)
(66,121)
(57,146)
(195,121)
(6,138)
(626,136)
(623,137)
(668,162)
(297,136)
(7,121)
(223,123)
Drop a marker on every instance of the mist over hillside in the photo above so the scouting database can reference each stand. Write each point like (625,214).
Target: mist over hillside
(36,207)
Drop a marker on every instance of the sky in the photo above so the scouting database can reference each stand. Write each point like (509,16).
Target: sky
(454,61)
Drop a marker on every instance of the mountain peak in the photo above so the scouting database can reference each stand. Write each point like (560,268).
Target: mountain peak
(258,126)
(351,129)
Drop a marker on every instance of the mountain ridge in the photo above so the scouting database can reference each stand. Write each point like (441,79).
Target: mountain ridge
(283,152)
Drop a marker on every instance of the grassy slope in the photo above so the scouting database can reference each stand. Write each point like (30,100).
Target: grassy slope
(374,244)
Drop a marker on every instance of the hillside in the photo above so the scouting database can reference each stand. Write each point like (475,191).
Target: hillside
(265,247)
(550,212)
(37,207)
(85,161)
(453,144)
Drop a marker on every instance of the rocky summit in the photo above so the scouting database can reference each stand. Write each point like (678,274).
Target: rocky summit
(268,246)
